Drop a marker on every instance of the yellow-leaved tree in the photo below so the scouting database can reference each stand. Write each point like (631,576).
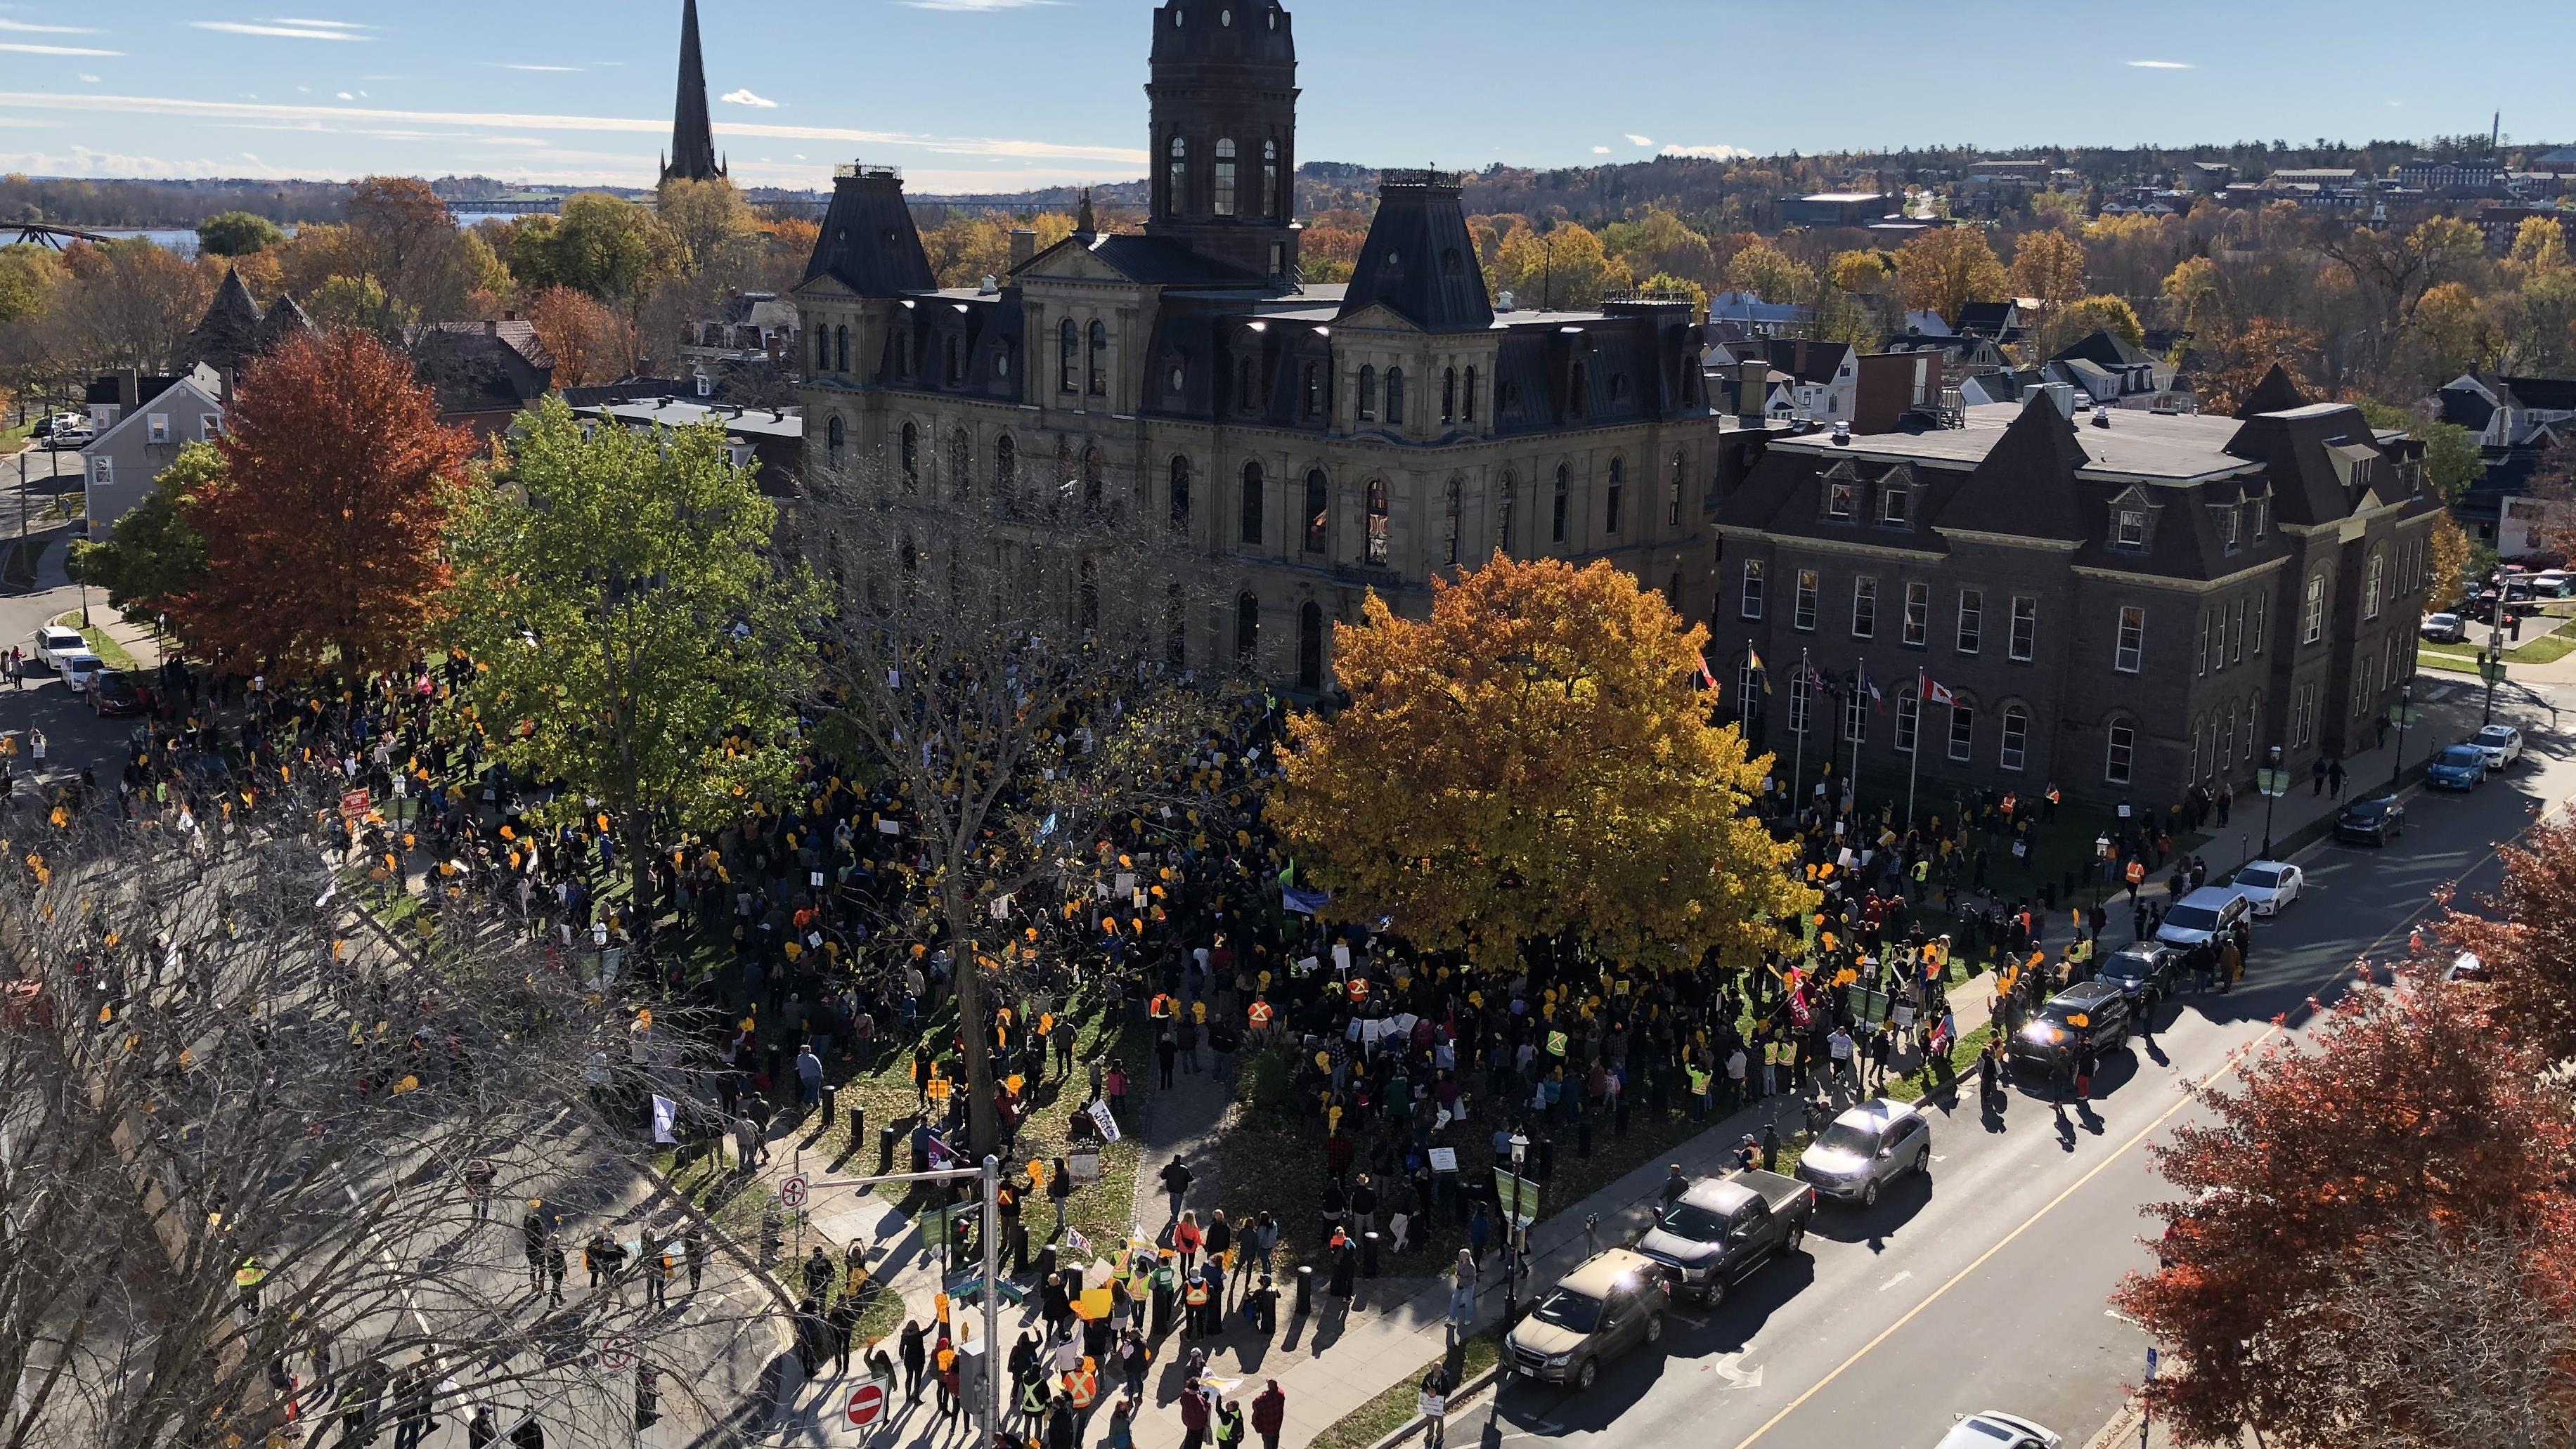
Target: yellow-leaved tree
(1535,760)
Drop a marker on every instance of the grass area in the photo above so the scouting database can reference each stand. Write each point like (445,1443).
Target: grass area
(107,649)
(2548,649)
(10,438)
(1394,1408)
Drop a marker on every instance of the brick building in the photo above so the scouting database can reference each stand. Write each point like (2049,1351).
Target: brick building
(2123,604)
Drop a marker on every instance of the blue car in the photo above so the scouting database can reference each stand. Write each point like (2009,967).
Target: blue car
(2461,767)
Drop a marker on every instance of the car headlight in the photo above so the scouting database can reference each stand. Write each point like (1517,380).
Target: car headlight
(2044,1035)
(1560,1360)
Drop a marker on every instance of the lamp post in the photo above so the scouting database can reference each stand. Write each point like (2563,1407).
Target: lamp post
(2101,864)
(1512,1233)
(2269,795)
(2405,707)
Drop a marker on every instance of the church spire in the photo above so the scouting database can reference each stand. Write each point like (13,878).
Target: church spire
(693,143)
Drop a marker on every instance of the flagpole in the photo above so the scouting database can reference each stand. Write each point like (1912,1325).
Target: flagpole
(1914,757)
(1798,767)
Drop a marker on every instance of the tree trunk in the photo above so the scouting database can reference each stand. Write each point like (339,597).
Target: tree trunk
(635,837)
(983,1123)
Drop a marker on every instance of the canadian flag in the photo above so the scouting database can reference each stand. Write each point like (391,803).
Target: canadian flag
(1937,692)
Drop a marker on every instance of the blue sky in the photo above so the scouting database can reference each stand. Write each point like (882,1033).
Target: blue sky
(1007,94)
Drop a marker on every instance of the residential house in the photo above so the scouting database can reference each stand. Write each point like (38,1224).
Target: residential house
(143,432)
(2518,422)
(2108,371)
(485,373)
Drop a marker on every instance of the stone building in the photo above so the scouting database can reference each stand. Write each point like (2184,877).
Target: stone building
(2124,604)
(1314,442)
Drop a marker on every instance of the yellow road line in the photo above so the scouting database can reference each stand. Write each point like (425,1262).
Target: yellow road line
(2235,1059)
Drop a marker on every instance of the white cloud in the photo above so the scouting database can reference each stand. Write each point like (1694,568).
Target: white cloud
(34,124)
(554,69)
(1003,147)
(744,97)
(1600,150)
(323,24)
(1710,153)
(29,27)
(2161,65)
(89,79)
(976,6)
(1636,140)
(16,49)
(304,31)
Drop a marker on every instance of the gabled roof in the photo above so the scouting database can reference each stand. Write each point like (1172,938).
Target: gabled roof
(2025,485)
(2542,394)
(2274,394)
(2104,349)
(1419,262)
(169,398)
(229,334)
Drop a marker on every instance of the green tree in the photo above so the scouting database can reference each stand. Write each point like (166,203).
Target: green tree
(237,234)
(358,302)
(152,556)
(634,636)
(1771,274)
(601,244)
(2451,456)
(28,276)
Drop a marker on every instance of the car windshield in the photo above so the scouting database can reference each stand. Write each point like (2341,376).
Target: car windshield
(1569,1310)
(2463,755)
(2259,875)
(2130,965)
(2192,918)
(2367,809)
(1844,1137)
(1698,1224)
(2496,735)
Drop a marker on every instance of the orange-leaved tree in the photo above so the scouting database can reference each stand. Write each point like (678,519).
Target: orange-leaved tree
(1535,760)
(323,529)
(2411,1138)
(1943,271)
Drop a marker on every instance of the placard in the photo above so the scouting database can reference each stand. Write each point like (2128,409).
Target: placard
(1444,1159)
(1107,1123)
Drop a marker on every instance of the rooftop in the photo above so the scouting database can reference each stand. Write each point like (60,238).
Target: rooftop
(2177,449)
(678,413)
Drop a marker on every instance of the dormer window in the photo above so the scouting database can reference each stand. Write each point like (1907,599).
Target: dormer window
(1895,507)
(1838,502)
(2261,510)
(2226,520)
(2130,531)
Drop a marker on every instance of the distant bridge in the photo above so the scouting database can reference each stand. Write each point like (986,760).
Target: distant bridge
(551,206)
(29,233)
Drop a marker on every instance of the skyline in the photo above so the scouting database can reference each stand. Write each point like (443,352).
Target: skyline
(974,99)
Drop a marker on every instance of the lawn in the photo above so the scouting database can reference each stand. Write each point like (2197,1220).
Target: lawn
(2548,649)
(107,649)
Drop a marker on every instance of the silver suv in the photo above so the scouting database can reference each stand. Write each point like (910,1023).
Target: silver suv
(1865,1149)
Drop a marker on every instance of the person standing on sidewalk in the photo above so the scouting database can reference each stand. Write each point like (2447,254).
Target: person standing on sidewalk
(1435,1405)
(1269,1414)
(915,1355)
(1462,1295)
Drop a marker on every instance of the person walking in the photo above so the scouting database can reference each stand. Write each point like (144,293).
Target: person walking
(1462,1295)
(558,1267)
(1176,1183)
(1194,1415)
(1269,1413)
(1166,1052)
(693,1243)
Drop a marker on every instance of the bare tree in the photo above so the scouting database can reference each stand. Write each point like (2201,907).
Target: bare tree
(1009,644)
(242,1138)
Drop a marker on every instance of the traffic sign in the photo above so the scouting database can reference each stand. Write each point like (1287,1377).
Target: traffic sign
(617,1351)
(792,1191)
(867,1404)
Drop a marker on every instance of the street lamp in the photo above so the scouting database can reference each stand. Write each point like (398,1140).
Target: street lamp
(1512,1233)
(2405,703)
(2101,864)
(2271,793)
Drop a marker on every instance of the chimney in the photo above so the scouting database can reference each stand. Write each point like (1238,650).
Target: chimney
(1024,247)
(129,391)
(1752,387)
(509,316)
(491,327)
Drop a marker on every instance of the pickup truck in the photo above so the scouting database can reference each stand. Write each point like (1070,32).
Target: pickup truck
(1722,1228)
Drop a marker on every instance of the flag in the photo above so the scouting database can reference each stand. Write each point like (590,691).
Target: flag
(1753,661)
(1704,676)
(1937,692)
(666,1115)
(1869,686)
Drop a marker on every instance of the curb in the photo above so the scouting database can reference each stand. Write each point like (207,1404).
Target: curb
(2122,1425)
(1469,1389)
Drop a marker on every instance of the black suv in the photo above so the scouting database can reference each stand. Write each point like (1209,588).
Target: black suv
(2144,972)
(2047,1045)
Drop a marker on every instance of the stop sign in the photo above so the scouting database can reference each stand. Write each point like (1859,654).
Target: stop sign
(866,1403)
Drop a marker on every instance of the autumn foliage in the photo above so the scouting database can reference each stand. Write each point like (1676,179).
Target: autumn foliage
(1536,758)
(322,531)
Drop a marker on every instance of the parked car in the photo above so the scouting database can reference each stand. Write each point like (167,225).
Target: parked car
(1865,1149)
(2268,885)
(2552,583)
(67,436)
(2445,628)
(2371,822)
(2458,767)
(1722,1228)
(2466,967)
(1995,1429)
(80,670)
(1609,1305)
(53,641)
(2203,914)
(2096,1011)
(2144,973)
(2503,746)
(118,693)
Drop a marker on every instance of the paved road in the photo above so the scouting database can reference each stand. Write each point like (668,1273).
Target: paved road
(1986,1286)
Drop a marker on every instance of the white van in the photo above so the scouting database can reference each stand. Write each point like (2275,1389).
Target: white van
(2203,915)
(54,641)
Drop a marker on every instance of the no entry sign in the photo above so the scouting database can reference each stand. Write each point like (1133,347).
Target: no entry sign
(867,1402)
(792,1191)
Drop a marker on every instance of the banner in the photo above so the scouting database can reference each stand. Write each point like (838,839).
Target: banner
(1108,1124)
(1304,902)
(666,1115)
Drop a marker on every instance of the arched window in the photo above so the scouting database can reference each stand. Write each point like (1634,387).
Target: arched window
(1270,206)
(908,454)
(1247,628)
(1251,510)
(1225,178)
(1095,473)
(1395,396)
(835,434)
(844,346)
(1377,523)
(1006,467)
(1449,395)
(1467,402)
(2122,754)
(1564,502)
(1180,490)
(1068,357)
(961,462)
(1578,396)
(1618,487)
(1310,647)
(1099,359)
(2016,737)
(2312,624)
(1176,196)
(1312,389)
(1319,515)
(1368,395)
(1456,501)
(1503,517)
(1673,496)
(822,349)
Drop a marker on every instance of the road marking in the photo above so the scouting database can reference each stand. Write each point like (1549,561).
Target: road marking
(2124,1318)
(1899,1278)
(2235,1059)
